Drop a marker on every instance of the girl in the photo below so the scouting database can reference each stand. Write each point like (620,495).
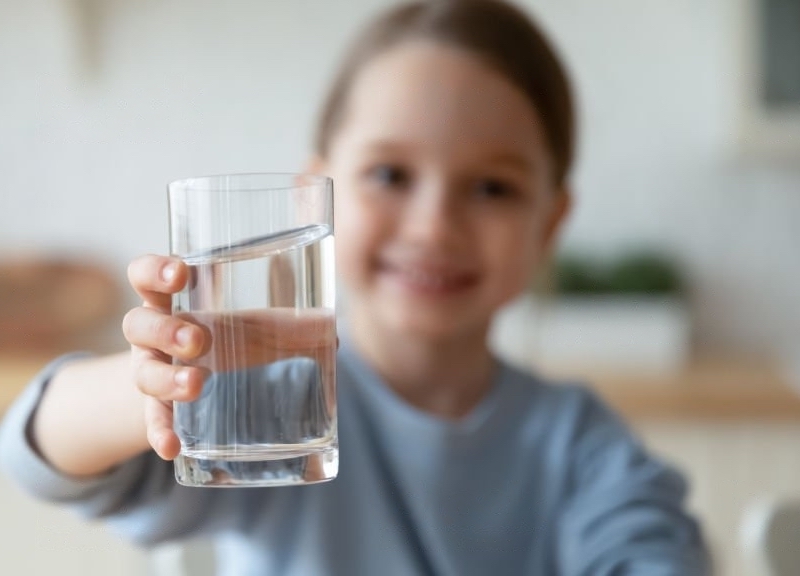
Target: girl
(449,134)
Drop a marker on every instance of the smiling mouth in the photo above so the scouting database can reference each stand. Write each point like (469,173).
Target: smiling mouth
(429,280)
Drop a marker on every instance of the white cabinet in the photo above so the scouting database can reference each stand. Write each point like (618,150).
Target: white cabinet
(40,539)
(731,467)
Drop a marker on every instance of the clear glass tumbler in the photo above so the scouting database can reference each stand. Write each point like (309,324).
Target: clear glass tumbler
(260,252)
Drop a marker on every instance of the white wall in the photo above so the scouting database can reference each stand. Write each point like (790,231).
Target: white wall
(662,86)
(103,102)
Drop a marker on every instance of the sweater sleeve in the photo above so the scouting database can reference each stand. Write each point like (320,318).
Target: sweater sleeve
(626,514)
(139,499)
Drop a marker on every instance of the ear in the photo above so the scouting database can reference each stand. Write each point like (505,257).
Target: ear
(562,205)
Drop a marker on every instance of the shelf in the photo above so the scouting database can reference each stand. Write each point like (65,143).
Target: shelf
(707,390)
(15,373)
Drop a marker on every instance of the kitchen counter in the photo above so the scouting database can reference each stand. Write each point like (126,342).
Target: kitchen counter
(15,372)
(709,389)
(706,390)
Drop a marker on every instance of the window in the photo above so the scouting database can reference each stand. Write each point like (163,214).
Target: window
(779,48)
(770,127)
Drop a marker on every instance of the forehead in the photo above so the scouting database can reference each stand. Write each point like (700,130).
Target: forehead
(439,96)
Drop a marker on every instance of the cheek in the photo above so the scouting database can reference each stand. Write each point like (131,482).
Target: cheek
(358,237)
(513,252)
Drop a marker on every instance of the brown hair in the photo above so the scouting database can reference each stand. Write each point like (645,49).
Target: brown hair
(493,30)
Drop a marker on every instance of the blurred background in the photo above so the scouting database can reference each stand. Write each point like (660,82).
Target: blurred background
(684,237)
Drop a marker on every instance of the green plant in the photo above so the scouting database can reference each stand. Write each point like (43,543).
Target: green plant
(578,275)
(644,274)
(632,273)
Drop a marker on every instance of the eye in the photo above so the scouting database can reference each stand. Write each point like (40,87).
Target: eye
(495,188)
(390,176)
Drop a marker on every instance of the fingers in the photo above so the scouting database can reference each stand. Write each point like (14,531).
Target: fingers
(169,383)
(155,335)
(156,278)
(160,435)
(148,328)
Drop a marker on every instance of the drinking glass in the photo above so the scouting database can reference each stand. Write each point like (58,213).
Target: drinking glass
(260,254)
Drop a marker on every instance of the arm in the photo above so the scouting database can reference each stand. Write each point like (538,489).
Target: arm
(626,515)
(79,434)
(138,498)
(98,413)
(97,401)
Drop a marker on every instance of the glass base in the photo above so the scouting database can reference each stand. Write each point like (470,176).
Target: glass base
(281,469)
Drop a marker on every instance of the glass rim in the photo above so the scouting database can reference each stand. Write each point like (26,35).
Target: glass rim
(205,183)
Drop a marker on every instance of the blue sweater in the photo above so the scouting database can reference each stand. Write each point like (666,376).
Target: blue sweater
(540,479)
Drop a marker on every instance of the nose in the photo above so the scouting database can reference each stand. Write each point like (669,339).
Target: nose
(434,218)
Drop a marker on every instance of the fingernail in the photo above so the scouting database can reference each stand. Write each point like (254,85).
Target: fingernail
(182,378)
(184,336)
(161,443)
(168,272)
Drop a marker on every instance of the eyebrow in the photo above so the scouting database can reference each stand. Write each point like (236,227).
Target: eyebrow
(513,160)
(509,159)
(385,146)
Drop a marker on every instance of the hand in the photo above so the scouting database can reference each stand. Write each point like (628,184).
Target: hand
(156,336)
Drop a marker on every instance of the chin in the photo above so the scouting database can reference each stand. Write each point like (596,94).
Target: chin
(432,326)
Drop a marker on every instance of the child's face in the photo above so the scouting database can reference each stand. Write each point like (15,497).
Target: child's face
(444,195)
